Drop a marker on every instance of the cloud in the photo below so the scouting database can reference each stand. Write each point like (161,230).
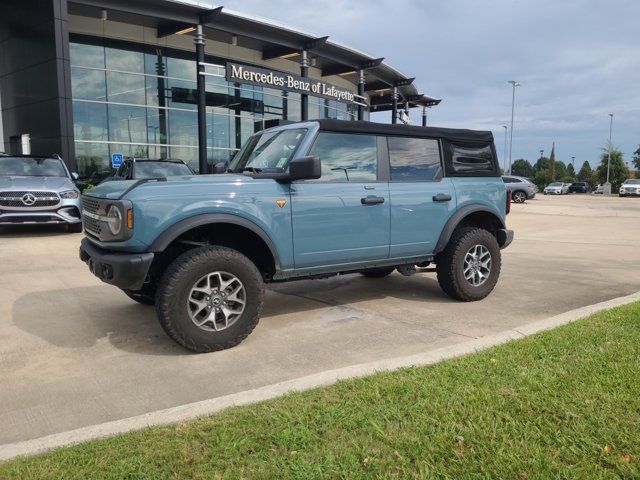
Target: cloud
(577,60)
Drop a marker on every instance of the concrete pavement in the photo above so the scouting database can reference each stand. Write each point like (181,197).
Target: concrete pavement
(75,352)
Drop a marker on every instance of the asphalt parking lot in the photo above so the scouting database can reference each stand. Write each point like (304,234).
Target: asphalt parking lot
(76,352)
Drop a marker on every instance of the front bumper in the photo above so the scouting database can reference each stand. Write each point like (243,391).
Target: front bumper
(127,271)
(505,237)
(69,214)
(630,193)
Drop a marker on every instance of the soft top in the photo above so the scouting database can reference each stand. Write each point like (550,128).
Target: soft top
(452,134)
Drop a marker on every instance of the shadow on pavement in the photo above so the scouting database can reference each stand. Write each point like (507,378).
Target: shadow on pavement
(30,231)
(84,317)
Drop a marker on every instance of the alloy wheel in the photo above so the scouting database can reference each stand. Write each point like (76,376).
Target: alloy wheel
(216,301)
(477,265)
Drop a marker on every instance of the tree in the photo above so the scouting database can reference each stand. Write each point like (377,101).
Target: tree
(552,163)
(542,179)
(541,164)
(561,170)
(636,159)
(585,173)
(522,168)
(618,171)
(570,171)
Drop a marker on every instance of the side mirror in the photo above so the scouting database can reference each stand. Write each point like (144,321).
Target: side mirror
(75,175)
(220,167)
(304,168)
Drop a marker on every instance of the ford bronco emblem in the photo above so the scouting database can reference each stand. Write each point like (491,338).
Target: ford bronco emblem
(28,199)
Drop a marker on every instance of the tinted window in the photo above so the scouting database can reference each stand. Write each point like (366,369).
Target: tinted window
(413,159)
(32,167)
(346,157)
(160,169)
(510,180)
(471,161)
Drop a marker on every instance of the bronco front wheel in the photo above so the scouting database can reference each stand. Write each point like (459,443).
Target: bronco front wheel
(210,298)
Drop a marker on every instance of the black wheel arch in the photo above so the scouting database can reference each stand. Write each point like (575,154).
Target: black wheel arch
(210,219)
(471,215)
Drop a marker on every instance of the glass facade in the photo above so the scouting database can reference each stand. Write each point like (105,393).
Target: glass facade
(140,101)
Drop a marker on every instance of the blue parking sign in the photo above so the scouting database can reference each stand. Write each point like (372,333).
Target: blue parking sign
(116,160)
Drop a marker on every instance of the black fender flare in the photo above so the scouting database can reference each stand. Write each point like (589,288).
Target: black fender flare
(163,240)
(455,220)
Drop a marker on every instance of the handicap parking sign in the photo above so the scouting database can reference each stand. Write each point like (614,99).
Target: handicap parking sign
(116,160)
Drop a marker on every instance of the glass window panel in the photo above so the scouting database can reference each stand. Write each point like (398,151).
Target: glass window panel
(124,60)
(130,150)
(183,128)
(182,94)
(93,161)
(187,155)
(346,157)
(413,159)
(156,91)
(157,123)
(90,121)
(125,88)
(86,55)
(181,68)
(88,84)
(155,62)
(127,124)
(219,130)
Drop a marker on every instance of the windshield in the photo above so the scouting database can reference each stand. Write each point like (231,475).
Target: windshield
(32,167)
(270,150)
(632,181)
(160,170)
(556,184)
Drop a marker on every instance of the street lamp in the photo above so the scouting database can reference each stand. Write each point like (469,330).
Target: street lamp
(505,147)
(541,153)
(609,160)
(514,84)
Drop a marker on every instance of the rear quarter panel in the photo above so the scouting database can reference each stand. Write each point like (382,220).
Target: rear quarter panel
(489,192)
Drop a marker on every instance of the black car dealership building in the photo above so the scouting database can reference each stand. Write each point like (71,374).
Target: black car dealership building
(96,80)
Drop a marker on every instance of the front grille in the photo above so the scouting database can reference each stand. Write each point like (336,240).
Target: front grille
(34,199)
(91,225)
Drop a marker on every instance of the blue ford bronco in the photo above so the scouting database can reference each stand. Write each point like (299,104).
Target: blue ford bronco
(302,200)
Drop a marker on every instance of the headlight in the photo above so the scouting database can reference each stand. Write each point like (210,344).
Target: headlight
(69,194)
(114,220)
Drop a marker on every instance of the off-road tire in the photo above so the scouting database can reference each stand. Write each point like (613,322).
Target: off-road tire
(450,270)
(378,272)
(146,295)
(74,227)
(175,286)
(519,196)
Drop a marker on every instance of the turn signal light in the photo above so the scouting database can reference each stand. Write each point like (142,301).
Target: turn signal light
(130,218)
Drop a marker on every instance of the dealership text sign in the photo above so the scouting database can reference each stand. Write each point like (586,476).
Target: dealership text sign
(286,81)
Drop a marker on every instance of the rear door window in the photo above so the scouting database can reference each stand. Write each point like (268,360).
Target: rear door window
(413,159)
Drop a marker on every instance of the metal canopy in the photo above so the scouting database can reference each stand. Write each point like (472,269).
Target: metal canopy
(273,39)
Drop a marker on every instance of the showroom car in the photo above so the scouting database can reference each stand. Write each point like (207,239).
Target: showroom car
(38,190)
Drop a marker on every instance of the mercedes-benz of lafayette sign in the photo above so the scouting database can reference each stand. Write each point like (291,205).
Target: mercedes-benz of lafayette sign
(268,78)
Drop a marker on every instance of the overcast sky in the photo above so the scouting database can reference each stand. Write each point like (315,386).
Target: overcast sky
(577,61)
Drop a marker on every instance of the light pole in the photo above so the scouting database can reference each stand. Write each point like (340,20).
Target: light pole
(610,134)
(505,147)
(573,164)
(541,153)
(514,84)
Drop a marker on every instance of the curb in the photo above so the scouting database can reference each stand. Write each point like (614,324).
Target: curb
(194,410)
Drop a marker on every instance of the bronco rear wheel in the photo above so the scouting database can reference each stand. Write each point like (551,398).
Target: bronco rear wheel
(210,298)
(469,267)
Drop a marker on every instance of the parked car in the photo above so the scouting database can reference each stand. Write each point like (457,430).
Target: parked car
(521,188)
(599,190)
(139,168)
(556,188)
(630,187)
(303,200)
(38,190)
(580,187)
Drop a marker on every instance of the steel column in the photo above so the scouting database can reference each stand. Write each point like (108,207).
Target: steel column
(202,102)
(394,109)
(424,116)
(361,93)
(304,98)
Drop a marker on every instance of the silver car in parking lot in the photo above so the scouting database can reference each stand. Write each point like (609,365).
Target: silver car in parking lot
(521,188)
(38,190)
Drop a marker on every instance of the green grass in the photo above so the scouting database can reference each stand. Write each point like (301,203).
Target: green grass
(560,404)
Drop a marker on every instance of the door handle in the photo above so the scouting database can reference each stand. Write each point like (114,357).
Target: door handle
(371,200)
(441,197)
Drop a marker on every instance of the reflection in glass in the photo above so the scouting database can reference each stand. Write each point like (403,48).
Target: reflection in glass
(124,88)
(413,159)
(90,121)
(93,160)
(88,84)
(127,124)
(86,55)
(124,60)
(183,128)
(345,157)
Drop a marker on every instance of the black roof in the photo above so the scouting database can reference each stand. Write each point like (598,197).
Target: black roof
(453,134)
